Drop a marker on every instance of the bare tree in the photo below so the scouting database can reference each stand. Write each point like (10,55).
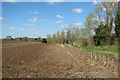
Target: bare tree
(54,40)
(68,36)
(107,12)
(49,38)
(58,36)
(89,27)
(62,37)
(77,33)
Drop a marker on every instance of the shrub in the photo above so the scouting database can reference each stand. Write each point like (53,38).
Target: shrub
(25,39)
(44,40)
(39,39)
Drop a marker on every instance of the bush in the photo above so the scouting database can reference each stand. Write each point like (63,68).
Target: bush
(39,39)
(25,39)
(44,40)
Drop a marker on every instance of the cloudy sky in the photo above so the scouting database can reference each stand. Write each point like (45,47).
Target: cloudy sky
(34,19)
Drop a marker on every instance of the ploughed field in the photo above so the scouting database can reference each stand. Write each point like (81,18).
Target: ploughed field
(39,60)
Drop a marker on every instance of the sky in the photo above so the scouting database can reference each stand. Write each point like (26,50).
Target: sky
(37,19)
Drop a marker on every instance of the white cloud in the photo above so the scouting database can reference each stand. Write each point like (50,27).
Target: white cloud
(62,26)
(67,26)
(94,2)
(31,28)
(33,20)
(56,22)
(77,24)
(11,28)
(77,10)
(35,12)
(21,29)
(59,16)
(29,25)
(54,1)
(1,18)
(59,22)
(44,19)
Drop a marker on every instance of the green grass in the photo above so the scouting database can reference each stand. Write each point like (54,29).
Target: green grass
(111,48)
(95,49)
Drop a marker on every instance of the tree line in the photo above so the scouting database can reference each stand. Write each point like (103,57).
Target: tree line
(100,28)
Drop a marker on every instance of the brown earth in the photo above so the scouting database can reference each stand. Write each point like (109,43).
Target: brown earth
(38,60)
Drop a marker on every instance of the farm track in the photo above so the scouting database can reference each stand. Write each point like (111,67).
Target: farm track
(38,60)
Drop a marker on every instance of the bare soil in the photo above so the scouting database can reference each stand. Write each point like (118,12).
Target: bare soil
(38,60)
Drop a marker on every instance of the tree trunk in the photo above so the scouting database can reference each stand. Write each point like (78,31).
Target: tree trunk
(108,42)
(91,41)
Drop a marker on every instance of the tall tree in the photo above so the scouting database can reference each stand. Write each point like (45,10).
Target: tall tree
(89,27)
(58,36)
(116,21)
(54,40)
(109,15)
(73,34)
(83,37)
(100,35)
(77,33)
(62,37)
(68,36)
(49,38)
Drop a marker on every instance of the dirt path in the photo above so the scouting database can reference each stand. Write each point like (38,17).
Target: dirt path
(49,61)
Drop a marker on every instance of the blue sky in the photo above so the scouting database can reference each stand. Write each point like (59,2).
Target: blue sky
(34,19)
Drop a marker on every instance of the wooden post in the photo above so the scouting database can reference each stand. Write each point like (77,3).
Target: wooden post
(116,62)
(86,54)
(95,58)
(104,61)
(91,54)
(108,62)
(99,58)
(113,65)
